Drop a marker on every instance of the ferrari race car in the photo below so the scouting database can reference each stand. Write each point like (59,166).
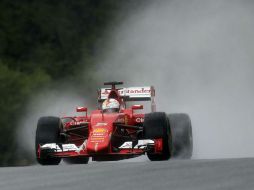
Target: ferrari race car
(114,131)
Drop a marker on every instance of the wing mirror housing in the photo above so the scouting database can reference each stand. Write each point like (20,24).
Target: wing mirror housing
(137,107)
(82,109)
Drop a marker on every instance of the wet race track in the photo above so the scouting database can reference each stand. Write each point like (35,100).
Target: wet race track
(174,174)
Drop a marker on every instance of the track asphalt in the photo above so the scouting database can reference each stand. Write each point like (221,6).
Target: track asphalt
(228,174)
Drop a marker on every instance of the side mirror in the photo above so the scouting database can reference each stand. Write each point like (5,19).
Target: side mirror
(137,107)
(81,109)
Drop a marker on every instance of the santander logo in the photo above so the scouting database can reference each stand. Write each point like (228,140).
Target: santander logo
(128,91)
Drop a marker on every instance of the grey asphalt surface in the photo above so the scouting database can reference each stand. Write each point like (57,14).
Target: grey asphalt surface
(223,174)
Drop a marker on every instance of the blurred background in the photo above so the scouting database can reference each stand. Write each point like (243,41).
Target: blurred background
(198,55)
(48,46)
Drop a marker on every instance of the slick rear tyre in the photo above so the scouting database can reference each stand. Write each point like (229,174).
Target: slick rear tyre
(79,160)
(48,131)
(156,126)
(181,130)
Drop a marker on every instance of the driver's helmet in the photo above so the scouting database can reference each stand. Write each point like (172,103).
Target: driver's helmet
(110,106)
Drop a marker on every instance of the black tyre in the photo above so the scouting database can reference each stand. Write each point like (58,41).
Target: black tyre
(181,130)
(156,126)
(48,131)
(78,160)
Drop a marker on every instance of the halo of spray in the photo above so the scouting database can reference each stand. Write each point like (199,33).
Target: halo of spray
(57,103)
(198,55)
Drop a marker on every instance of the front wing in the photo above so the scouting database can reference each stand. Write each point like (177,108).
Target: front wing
(71,150)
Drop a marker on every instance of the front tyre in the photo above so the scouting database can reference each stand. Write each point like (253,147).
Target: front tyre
(48,131)
(156,126)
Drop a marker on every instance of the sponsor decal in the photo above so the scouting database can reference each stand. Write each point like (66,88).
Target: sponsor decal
(63,148)
(97,141)
(138,91)
(141,144)
(97,138)
(98,135)
(82,147)
(78,123)
(129,91)
(101,124)
(132,92)
(139,120)
(100,130)
(81,122)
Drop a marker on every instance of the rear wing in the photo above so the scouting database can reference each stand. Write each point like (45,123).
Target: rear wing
(145,93)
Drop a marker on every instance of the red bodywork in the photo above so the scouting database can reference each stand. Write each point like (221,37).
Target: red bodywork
(101,135)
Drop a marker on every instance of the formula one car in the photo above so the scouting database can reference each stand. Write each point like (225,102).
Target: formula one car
(114,131)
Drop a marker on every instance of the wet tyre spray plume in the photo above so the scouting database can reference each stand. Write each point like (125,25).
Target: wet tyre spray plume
(199,56)
(58,102)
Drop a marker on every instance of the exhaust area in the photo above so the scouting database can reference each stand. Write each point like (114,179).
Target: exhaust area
(199,56)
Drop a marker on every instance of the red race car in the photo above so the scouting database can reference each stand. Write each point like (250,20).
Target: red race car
(114,131)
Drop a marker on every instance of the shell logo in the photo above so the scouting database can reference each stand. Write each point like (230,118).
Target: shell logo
(99,130)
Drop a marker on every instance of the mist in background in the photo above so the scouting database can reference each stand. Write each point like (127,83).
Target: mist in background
(199,56)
